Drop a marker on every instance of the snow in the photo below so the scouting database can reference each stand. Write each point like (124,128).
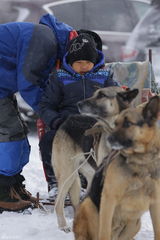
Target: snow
(40,225)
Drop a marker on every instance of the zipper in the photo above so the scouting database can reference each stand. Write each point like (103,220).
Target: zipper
(84,87)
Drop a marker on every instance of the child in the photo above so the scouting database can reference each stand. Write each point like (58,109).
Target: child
(80,76)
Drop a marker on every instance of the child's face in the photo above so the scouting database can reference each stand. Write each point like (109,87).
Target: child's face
(82,66)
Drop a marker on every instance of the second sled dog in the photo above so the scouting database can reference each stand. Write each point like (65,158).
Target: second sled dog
(70,145)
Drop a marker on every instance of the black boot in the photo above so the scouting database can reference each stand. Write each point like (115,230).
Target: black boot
(51,180)
(10,200)
(20,189)
(45,146)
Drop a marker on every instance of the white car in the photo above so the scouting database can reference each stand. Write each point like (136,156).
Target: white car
(145,36)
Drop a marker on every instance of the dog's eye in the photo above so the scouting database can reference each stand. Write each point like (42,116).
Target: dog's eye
(127,124)
(101,95)
(140,123)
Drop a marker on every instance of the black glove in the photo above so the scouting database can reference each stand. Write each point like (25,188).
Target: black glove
(56,123)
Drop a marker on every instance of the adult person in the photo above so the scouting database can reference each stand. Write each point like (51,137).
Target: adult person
(27,55)
(79,77)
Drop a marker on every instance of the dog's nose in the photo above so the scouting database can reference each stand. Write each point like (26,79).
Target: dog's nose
(111,139)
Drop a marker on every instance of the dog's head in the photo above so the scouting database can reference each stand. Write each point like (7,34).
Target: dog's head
(107,102)
(135,128)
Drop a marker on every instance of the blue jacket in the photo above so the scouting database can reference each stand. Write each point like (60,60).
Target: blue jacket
(27,55)
(66,88)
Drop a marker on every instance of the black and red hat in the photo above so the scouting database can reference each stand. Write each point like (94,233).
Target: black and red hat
(83,47)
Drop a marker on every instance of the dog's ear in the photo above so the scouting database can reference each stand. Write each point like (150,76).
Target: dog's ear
(151,110)
(125,98)
(128,95)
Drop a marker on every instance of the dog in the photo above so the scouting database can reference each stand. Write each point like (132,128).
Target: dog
(70,145)
(130,184)
(104,106)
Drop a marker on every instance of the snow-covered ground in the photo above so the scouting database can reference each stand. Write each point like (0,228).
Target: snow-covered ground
(40,225)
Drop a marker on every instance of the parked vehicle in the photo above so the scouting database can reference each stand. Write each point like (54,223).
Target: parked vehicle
(113,20)
(145,36)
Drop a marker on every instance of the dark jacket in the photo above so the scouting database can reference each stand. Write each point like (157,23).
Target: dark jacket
(66,88)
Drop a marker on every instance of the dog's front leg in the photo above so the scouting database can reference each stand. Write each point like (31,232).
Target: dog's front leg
(107,208)
(130,230)
(88,172)
(155,214)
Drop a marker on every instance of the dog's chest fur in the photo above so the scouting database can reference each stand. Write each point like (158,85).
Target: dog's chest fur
(147,165)
(140,173)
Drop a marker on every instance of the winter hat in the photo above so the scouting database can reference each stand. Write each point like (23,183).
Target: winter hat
(82,47)
(95,36)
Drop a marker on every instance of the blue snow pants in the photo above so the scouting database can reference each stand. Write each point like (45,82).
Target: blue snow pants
(14,146)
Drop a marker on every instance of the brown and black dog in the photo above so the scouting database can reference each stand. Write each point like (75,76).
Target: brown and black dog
(70,144)
(130,185)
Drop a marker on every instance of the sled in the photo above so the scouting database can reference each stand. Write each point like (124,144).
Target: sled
(46,204)
(138,75)
(50,202)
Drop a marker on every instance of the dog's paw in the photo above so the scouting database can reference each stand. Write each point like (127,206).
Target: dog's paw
(66,229)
